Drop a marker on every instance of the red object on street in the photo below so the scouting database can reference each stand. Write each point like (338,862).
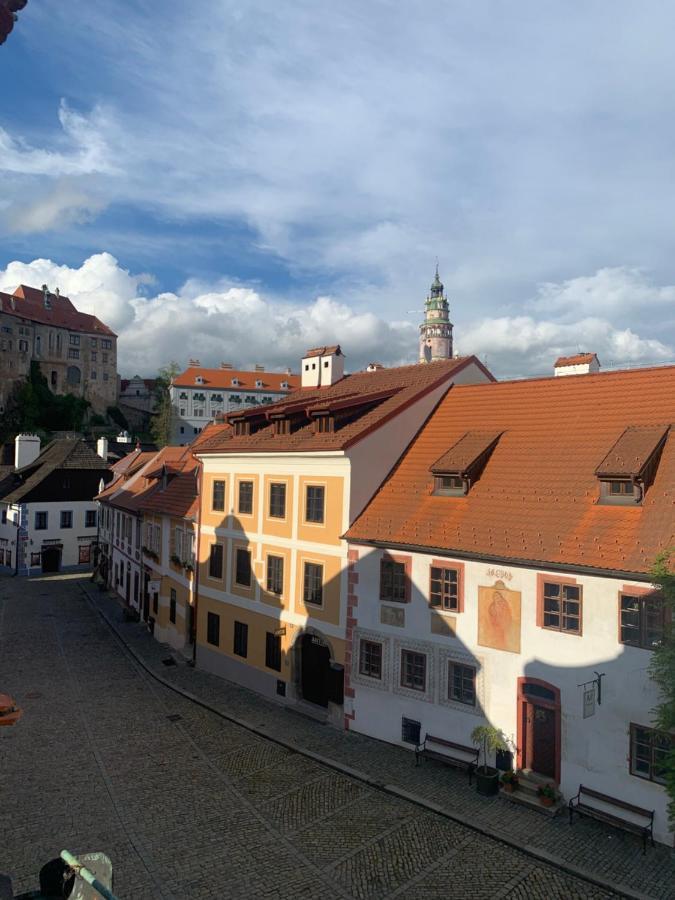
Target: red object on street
(9,711)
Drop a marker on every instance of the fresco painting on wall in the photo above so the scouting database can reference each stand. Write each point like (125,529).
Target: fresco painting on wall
(499,618)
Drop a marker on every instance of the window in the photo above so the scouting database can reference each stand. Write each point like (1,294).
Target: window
(562,607)
(74,340)
(90,518)
(66,518)
(314,503)
(41,519)
(462,683)
(93,341)
(93,356)
(245,500)
(73,354)
(277,500)
(3,517)
(23,346)
(242,572)
(213,629)
(313,584)
(444,588)
(93,375)
(218,500)
(84,553)
(216,561)
(393,581)
(53,378)
(413,670)
(370,659)
(273,651)
(104,358)
(172,606)
(240,647)
(410,731)
(649,751)
(452,485)
(621,488)
(642,620)
(106,344)
(275,575)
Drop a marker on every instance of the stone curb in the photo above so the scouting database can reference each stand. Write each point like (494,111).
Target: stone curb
(536,853)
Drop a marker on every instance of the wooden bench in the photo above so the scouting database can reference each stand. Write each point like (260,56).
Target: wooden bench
(581,808)
(449,755)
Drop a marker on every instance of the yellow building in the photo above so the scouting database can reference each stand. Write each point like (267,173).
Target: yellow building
(279,488)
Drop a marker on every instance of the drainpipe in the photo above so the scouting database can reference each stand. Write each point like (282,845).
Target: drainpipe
(200,469)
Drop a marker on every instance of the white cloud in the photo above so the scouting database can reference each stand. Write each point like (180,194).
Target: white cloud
(67,203)
(244,326)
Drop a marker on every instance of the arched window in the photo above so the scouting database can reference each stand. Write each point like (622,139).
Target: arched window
(74,375)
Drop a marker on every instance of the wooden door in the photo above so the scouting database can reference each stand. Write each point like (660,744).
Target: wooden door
(543,740)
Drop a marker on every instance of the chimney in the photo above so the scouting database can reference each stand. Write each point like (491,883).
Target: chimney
(225,365)
(45,297)
(123,437)
(373,367)
(288,371)
(579,364)
(259,368)
(194,362)
(26,449)
(102,448)
(322,367)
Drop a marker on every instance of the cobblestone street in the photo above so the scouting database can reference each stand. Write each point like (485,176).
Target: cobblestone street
(190,805)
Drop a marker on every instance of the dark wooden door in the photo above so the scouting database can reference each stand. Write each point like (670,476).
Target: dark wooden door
(136,599)
(315,670)
(128,588)
(51,559)
(543,740)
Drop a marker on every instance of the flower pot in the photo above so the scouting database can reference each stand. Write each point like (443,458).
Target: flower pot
(546,801)
(508,787)
(487,781)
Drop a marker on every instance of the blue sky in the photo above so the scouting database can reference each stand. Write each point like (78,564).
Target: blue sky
(231,180)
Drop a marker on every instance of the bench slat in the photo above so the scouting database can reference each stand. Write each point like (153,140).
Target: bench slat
(471,751)
(614,801)
(608,817)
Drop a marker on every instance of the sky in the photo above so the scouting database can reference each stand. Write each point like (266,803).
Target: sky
(238,181)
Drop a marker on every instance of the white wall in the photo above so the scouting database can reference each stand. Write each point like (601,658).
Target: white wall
(594,751)
(69,537)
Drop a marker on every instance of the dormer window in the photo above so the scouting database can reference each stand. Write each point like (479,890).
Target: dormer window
(282,426)
(284,385)
(450,485)
(324,425)
(235,382)
(242,428)
(258,383)
(199,379)
(630,467)
(458,469)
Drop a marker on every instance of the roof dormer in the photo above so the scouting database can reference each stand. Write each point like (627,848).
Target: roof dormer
(199,379)
(457,470)
(236,382)
(258,382)
(630,467)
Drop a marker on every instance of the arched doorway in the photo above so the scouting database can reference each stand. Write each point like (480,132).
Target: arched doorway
(51,559)
(539,727)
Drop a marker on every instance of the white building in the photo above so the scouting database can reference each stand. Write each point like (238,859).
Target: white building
(200,395)
(48,518)
(506,561)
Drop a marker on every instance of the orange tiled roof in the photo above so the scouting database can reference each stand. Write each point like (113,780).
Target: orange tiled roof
(633,450)
(29,304)
(381,394)
(536,500)
(323,351)
(577,360)
(221,379)
(466,452)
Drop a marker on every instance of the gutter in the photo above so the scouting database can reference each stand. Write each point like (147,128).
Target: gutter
(504,560)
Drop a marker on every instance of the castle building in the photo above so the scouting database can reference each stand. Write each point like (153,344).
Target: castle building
(436,330)
(76,352)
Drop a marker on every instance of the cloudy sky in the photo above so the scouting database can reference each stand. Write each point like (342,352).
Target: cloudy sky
(235,180)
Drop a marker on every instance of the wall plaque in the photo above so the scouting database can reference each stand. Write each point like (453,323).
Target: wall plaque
(390,615)
(499,618)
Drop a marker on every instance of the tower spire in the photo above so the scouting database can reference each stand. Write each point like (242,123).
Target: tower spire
(436,330)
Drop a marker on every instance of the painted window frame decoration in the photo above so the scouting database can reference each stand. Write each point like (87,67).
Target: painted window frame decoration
(401,566)
(357,677)
(447,657)
(413,646)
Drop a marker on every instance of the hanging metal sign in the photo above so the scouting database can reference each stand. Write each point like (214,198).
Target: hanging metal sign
(589,702)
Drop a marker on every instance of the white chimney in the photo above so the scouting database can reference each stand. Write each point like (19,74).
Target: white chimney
(26,449)
(124,437)
(322,367)
(579,364)
(102,448)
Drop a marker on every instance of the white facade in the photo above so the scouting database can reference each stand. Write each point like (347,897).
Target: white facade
(595,751)
(120,537)
(195,406)
(66,531)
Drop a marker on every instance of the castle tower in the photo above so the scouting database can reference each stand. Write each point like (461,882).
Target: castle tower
(436,330)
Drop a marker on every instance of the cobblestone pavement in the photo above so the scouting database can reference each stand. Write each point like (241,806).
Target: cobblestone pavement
(191,805)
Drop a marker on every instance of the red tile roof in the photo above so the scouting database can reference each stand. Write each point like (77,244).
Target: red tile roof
(633,450)
(221,379)
(29,304)
(536,501)
(577,360)
(466,452)
(324,351)
(375,398)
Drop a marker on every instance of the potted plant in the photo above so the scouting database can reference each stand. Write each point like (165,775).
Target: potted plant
(488,739)
(547,794)
(176,560)
(509,781)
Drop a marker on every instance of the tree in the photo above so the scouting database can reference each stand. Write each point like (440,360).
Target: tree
(33,407)
(162,420)
(662,669)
